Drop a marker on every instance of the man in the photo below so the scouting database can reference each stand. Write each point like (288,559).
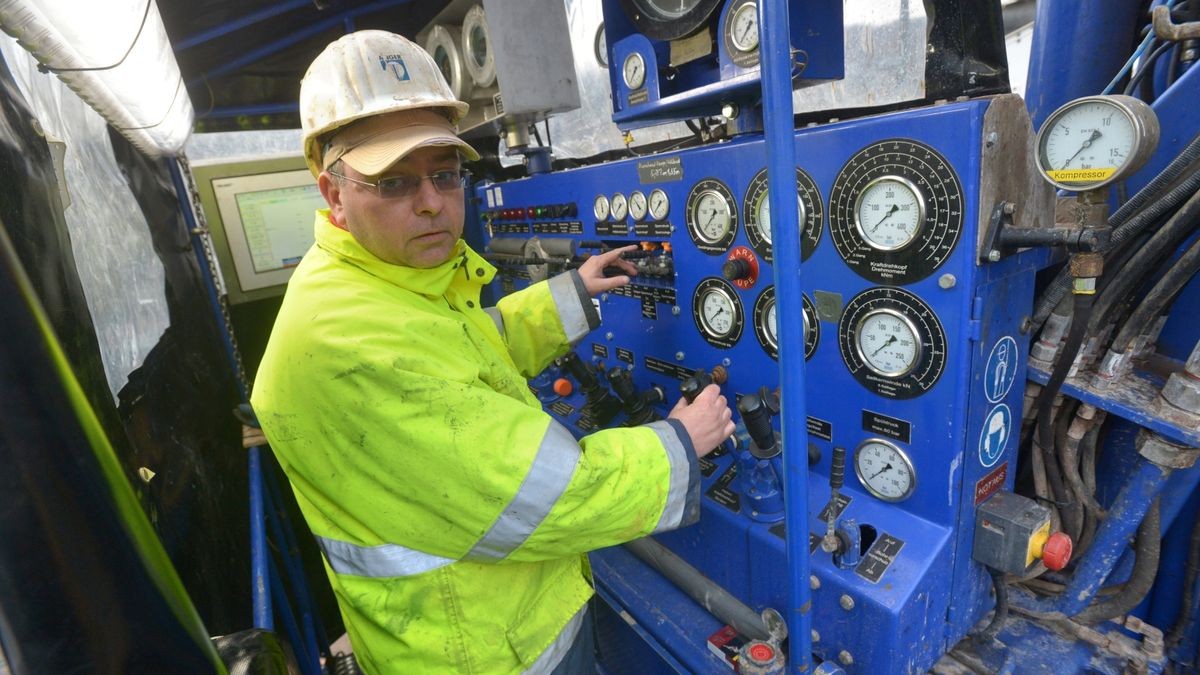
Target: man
(452,512)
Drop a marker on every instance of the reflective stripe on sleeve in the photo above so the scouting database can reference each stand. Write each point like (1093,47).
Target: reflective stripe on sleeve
(384,560)
(547,479)
(570,307)
(497,318)
(681,470)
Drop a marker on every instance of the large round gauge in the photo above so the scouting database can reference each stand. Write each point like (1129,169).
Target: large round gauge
(633,71)
(756,209)
(711,216)
(896,211)
(669,19)
(477,49)
(600,207)
(637,204)
(718,313)
(885,470)
(1093,141)
(618,207)
(766,327)
(892,342)
(659,205)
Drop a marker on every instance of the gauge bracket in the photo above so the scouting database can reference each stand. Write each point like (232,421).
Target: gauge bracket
(1003,238)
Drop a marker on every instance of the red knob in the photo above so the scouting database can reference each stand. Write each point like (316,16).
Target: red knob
(1057,551)
(563,387)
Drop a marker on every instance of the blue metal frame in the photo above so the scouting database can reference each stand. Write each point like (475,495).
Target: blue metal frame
(280,7)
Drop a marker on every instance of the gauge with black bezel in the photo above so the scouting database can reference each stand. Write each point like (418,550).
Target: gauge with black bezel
(669,19)
(718,313)
(766,326)
(756,210)
(896,211)
(892,342)
(711,215)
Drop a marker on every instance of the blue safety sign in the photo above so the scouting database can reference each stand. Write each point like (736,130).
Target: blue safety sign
(1001,370)
(994,437)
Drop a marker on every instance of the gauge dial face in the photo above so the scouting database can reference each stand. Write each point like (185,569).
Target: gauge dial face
(885,470)
(667,9)
(766,326)
(659,205)
(888,343)
(1094,141)
(892,342)
(896,212)
(889,213)
(717,311)
(744,27)
(634,71)
(669,19)
(619,207)
(600,207)
(637,204)
(756,209)
(711,216)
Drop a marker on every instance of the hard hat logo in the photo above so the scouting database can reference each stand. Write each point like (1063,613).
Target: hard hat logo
(397,65)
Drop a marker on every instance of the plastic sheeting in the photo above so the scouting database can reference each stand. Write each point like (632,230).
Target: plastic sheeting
(121,276)
(233,145)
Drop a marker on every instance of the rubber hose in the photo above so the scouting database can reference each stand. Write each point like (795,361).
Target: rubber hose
(1072,512)
(1069,457)
(1145,568)
(1129,220)
(1168,237)
(1189,588)
(1091,442)
(1167,288)
(1001,615)
(1082,311)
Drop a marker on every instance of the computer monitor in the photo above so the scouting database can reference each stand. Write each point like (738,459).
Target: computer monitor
(260,214)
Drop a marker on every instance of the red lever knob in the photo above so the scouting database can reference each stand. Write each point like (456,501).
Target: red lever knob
(563,387)
(1057,551)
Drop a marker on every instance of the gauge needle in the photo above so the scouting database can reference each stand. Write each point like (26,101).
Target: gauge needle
(1086,144)
(890,340)
(886,467)
(711,218)
(887,215)
(719,312)
(746,32)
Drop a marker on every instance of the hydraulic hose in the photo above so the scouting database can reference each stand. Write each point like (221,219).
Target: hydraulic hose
(1072,512)
(1145,568)
(1189,589)
(1157,299)
(1001,614)
(1045,401)
(719,602)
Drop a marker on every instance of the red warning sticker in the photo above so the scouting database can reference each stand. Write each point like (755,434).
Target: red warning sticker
(989,484)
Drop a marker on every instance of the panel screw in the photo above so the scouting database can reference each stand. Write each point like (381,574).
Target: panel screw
(845,657)
(608,335)
(992,137)
(994,255)
(604,297)
(678,356)
(947,281)
(813,582)
(726,362)
(847,602)
(675,310)
(816,637)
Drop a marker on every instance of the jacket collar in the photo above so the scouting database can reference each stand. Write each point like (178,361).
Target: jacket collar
(431,281)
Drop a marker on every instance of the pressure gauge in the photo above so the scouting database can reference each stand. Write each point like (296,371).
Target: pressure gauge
(766,326)
(717,312)
(744,27)
(637,204)
(888,343)
(711,216)
(1093,141)
(889,213)
(884,470)
(659,205)
(634,71)
(619,207)
(669,19)
(600,207)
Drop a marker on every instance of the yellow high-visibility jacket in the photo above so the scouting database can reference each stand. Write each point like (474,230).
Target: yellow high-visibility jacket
(451,510)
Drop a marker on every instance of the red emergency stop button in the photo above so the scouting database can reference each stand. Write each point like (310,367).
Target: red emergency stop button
(1057,551)
(563,387)
(762,652)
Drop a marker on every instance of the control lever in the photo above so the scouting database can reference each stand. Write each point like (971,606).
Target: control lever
(837,477)
(599,400)
(639,406)
(756,415)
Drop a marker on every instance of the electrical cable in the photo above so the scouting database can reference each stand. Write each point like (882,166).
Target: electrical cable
(1157,299)
(1132,59)
(1147,66)
(990,632)
(43,68)
(1147,551)
(1185,606)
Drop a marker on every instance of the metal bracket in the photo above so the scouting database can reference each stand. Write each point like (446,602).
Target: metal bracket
(1169,30)
(1002,238)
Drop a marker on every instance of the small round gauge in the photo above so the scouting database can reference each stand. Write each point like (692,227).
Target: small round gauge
(892,342)
(600,207)
(634,71)
(717,311)
(1093,141)
(885,470)
(744,27)
(669,19)
(711,216)
(756,209)
(600,47)
(637,204)
(889,213)
(766,326)
(896,211)
(888,343)
(619,207)
(659,205)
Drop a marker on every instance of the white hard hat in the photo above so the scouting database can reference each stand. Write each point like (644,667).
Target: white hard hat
(367,73)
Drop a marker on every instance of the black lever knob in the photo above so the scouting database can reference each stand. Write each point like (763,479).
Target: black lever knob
(837,470)
(758,424)
(622,384)
(735,269)
(579,370)
(692,386)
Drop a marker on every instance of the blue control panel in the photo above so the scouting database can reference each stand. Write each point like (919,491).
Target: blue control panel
(915,358)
